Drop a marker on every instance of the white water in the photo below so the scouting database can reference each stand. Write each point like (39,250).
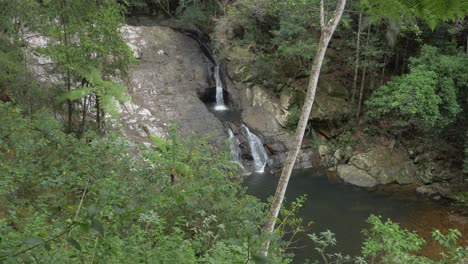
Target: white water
(220,106)
(236,151)
(234,144)
(258,151)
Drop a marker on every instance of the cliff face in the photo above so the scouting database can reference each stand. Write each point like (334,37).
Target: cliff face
(172,84)
(164,85)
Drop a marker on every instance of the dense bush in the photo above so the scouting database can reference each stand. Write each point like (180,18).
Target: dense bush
(271,40)
(426,97)
(66,199)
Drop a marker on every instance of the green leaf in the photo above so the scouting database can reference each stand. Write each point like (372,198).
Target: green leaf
(73,243)
(84,227)
(180,199)
(258,259)
(47,247)
(159,142)
(34,241)
(76,93)
(92,211)
(96,225)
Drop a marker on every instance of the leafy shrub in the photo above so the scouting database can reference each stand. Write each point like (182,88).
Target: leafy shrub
(386,242)
(66,199)
(198,13)
(427,96)
(293,117)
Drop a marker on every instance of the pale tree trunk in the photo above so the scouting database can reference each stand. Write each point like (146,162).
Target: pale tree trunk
(358,49)
(327,31)
(363,80)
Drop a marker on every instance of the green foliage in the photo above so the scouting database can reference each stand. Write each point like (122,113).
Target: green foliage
(455,254)
(289,225)
(108,92)
(388,243)
(327,239)
(277,38)
(386,240)
(428,95)
(432,12)
(200,13)
(65,199)
(85,42)
(293,117)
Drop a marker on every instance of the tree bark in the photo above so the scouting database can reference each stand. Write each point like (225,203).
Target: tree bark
(327,31)
(363,80)
(98,111)
(85,112)
(356,66)
(64,22)
(383,70)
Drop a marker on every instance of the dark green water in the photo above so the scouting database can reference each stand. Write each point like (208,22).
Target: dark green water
(338,207)
(333,205)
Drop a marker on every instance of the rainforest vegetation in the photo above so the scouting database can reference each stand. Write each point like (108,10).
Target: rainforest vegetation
(75,189)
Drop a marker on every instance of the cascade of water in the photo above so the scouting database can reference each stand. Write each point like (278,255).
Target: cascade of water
(219,91)
(258,151)
(234,144)
(236,151)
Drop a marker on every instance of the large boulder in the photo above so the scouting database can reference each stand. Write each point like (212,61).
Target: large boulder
(355,176)
(260,108)
(383,165)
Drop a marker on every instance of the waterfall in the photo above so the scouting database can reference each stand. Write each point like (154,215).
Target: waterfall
(234,144)
(236,151)
(258,151)
(219,91)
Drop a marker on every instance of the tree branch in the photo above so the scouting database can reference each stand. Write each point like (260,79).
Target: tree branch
(322,15)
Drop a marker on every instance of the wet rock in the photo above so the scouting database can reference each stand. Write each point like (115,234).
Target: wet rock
(386,165)
(363,161)
(287,98)
(260,120)
(383,165)
(355,176)
(323,150)
(435,189)
(164,85)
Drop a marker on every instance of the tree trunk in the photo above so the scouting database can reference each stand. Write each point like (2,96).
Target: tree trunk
(66,43)
(85,111)
(383,70)
(363,80)
(98,112)
(327,31)
(397,61)
(356,66)
(70,104)
(403,63)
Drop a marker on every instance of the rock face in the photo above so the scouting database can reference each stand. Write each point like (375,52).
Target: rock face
(355,176)
(164,84)
(330,100)
(383,165)
(264,113)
